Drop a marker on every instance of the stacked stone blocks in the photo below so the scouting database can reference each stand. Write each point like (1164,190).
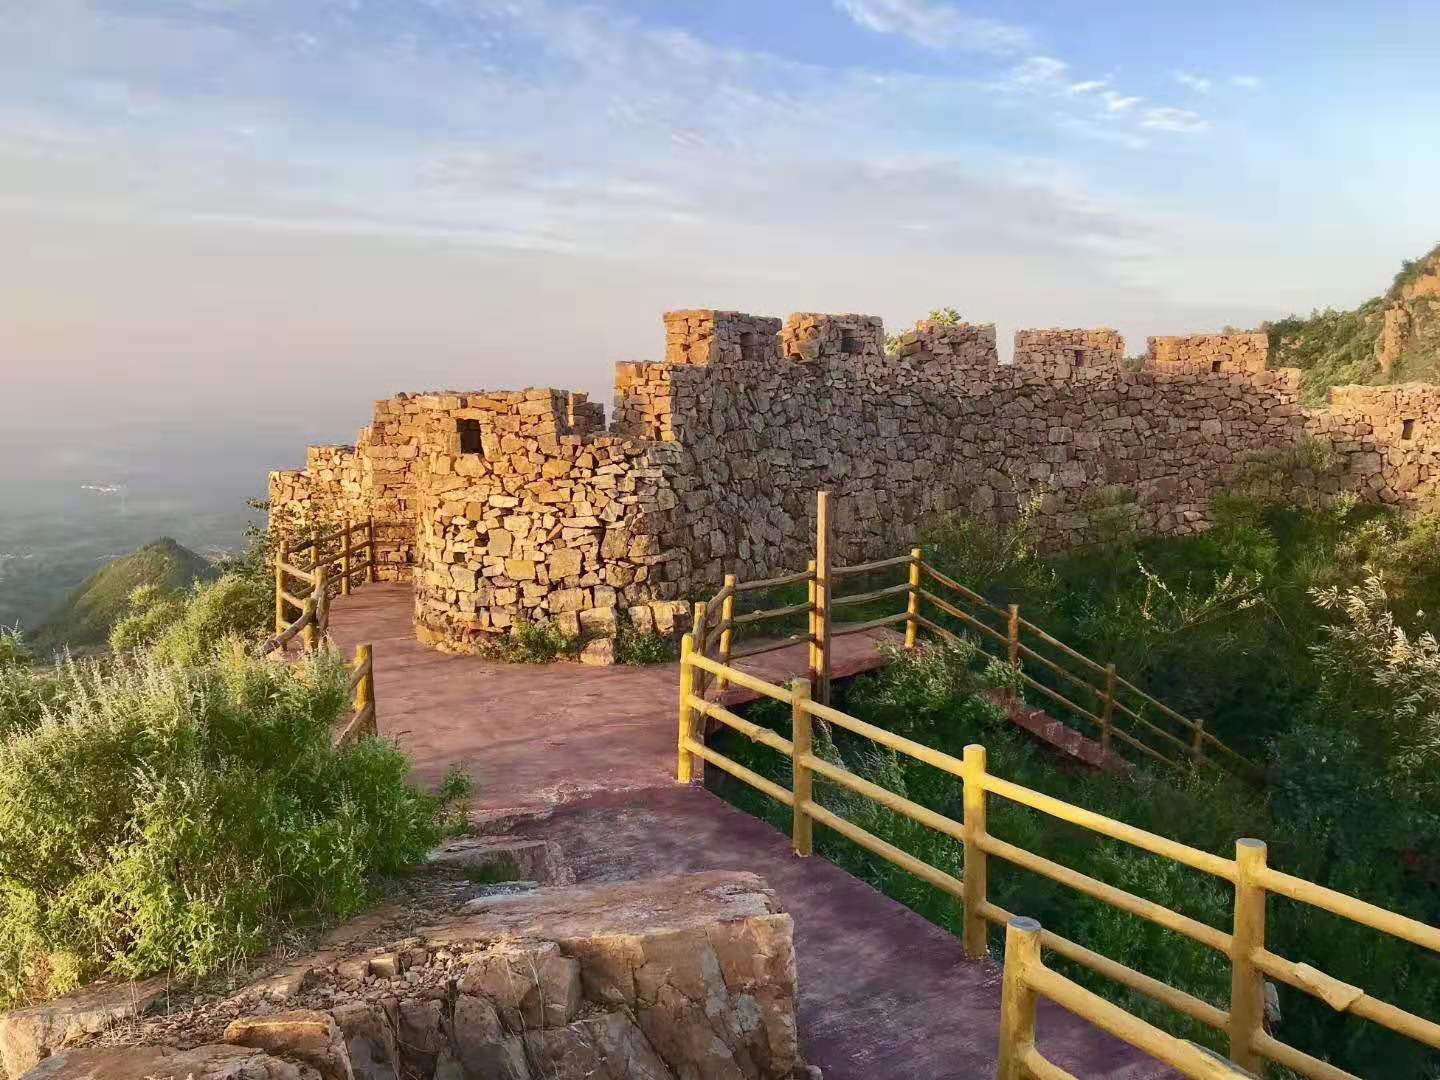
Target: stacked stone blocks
(715,456)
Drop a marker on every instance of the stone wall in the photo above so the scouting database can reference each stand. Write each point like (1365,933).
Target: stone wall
(518,504)
(1216,353)
(1060,351)
(1387,436)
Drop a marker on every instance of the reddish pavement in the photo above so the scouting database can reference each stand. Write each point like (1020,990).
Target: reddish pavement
(585,757)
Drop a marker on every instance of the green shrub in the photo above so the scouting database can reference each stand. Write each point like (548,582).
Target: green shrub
(636,646)
(168,818)
(188,628)
(530,643)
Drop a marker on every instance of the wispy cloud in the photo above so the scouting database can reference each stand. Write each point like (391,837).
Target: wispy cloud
(1169,119)
(1198,83)
(1037,71)
(1089,86)
(1247,82)
(1116,102)
(937,25)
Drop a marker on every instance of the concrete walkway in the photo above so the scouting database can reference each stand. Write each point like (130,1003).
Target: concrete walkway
(585,757)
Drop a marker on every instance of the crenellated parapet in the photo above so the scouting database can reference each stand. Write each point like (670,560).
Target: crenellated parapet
(502,506)
(1219,354)
(808,336)
(1064,352)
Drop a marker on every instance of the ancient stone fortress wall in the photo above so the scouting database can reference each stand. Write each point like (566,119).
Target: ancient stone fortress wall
(1219,354)
(519,504)
(900,438)
(1062,351)
(1388,436)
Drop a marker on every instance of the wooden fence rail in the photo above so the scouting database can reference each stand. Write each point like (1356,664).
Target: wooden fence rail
(332,570)
(1027,979)
(329,573)
(1114,709)
(1253,881)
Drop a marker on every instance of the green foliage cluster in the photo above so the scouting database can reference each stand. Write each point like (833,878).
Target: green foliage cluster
(183,628)
(531,643)
(175,817)
(1331,348)
(636,646)
(945,316)
(1302,631)
(90,612)
(1410,269)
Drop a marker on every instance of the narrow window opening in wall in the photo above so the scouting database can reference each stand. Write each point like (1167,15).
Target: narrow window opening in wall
(1215,367)
(849,341)
(1077,358)
(749,345)
(470,442)
(1407,429)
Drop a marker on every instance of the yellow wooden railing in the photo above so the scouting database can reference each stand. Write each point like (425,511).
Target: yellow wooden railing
(331,569)
(312,625)
(1027,979)
(1253,881)
(1120,712)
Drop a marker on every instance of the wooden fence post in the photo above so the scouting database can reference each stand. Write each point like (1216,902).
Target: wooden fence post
(1108,711)
(974,879)
(322,600)
(822,592)
(308,634)
(810,592)
(912,607)
(280,619)
(365,688)
(1012,639)
(1017,1000)
(802,827)
(1247,982)
(346,547)
(697,627)
(685,770)
(727,626)
(370,543)
(1197,745)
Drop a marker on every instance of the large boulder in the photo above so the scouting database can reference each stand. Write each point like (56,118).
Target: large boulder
(29,1035)
(688,976)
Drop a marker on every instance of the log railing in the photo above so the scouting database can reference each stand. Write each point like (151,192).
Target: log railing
(1027,980)
(1114,709)
(334,562)
(1244,945)
(328,572)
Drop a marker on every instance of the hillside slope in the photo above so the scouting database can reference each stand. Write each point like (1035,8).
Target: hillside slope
(1390,338)
(85,618)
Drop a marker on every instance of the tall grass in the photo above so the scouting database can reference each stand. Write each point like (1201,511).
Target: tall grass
(164,817)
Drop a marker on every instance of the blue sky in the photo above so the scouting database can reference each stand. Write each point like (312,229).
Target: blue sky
(211,199)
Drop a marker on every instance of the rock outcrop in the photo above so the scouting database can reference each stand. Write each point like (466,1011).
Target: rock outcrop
(688,977)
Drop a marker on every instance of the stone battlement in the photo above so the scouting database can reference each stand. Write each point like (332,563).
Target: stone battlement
(502,505)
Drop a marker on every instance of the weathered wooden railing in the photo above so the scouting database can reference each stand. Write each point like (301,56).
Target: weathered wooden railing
(1027,979)
(312,625)
(329,571)
(1119,711)
(1253,881)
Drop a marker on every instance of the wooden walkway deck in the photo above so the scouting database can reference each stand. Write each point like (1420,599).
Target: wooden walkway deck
(585,757)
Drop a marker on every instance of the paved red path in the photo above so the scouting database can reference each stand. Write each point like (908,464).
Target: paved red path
(586,757)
